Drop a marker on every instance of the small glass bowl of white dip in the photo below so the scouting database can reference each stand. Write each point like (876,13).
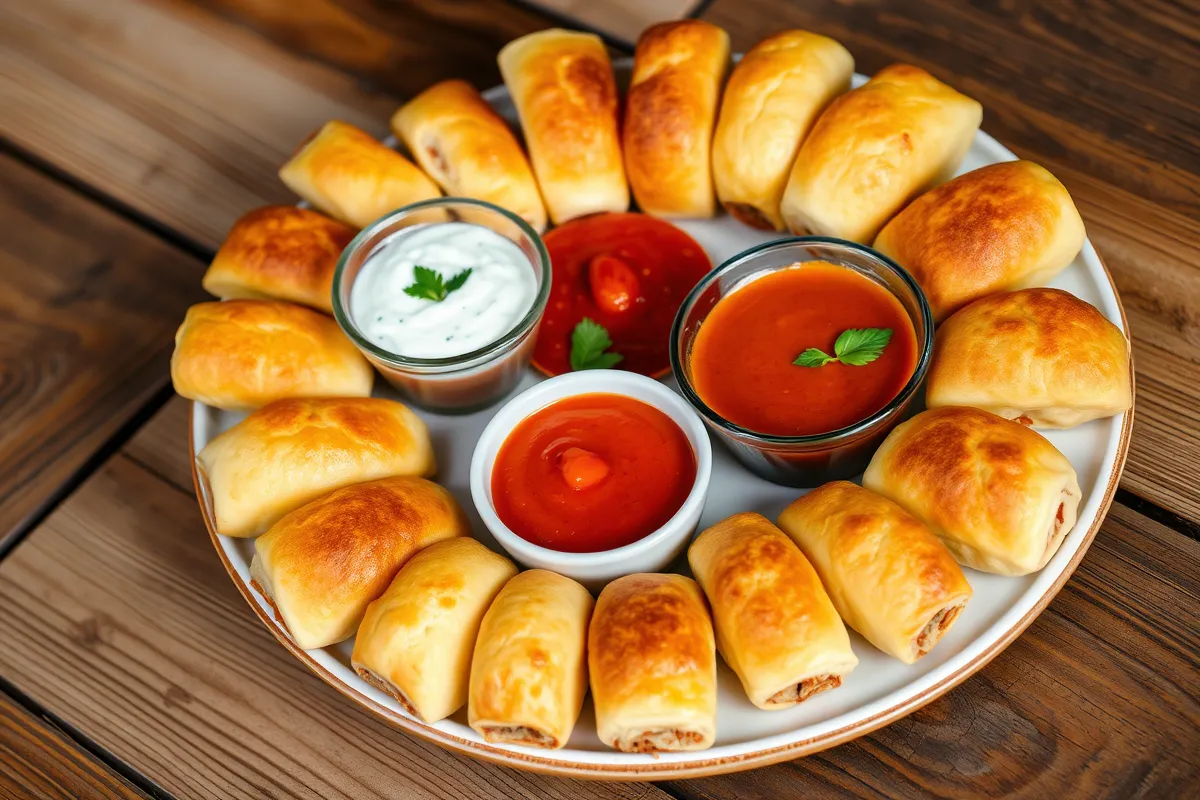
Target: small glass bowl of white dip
(469,348)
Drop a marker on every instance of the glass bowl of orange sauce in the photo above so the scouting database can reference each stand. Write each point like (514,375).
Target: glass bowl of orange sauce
(802,354)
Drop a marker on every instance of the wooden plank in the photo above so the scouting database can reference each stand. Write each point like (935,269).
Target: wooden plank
(38,760)
(623,19)
(120,618)
(124,622)
(88,306)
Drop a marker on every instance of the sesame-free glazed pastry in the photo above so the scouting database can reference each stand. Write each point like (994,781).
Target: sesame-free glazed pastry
(653,665)
(773,97)
(874,149)
(563,87)
(888,575)
(998,495)
(293,451)
(242,354)
(670,111)
(997,228)
(1038,356)
(348,174)
(280,252)
(776,626)
(529,671)
(464,145)
(321,565)
(416,641)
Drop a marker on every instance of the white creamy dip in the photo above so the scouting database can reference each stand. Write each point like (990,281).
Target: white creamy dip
(496,296)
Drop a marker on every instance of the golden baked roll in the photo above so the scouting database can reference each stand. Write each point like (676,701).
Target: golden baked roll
(415,642)
(295,450)
(998,495)
(1001,227)
(468,149)
(321,565)
(1041,357)
(563,87)
(348,174)
(776,627)
(874,149)
(243,354)
(653,665)
(670,111)
(888,575)
(281,252)
(529,672)
(773,97)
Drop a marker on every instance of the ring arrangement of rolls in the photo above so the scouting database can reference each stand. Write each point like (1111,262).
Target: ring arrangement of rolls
(352,538)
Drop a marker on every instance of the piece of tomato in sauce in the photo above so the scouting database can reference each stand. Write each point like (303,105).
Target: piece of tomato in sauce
(741,359)
(592,472)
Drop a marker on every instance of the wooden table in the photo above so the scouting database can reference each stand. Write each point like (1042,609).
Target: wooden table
(137,130)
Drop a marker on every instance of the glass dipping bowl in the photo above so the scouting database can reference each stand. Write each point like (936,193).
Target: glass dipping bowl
(456,384)
(802,461)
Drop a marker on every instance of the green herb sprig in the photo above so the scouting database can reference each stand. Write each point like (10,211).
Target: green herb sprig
(428,284)
(589,341)
(855,347)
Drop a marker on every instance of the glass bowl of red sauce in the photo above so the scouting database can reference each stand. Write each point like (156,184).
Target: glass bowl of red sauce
(803,354)
(594,475)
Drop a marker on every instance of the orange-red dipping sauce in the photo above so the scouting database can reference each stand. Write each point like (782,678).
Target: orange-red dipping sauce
(591,473)
(741,361)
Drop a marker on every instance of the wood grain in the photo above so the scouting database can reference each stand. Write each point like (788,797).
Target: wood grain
(39,761)
(88,306)
(120,618)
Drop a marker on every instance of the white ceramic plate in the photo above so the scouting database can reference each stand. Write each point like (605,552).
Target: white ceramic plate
(879,691)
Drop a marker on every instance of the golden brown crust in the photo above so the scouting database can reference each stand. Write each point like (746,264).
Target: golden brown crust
(652,659)
(874,149)
(529,672)
(348,174)
(279,252)
(1000,227)
(294,450)
(887,574)
(997,494)
(243,354)
(563,87)
(1042,357)
(464,145)
(322,564)
(670,111)
(776,626)
(773,97)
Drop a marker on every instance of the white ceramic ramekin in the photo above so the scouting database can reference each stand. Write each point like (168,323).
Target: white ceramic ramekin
(648,554)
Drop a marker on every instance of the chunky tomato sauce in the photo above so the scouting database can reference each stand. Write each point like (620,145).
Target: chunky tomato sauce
(741,362)
(592,473)
(628,272)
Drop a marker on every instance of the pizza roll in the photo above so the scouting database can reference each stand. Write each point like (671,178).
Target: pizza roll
(888,576)
(464,145)
(1041,357)
(242,354)
(351,176)
(670,111)
(776,627)
(529,672)
(280,252)
(563,87)
(415,642)
(653,665)
(997,494)
(1001,227)
(876,148)
(321,565)
(295,450)
(774,95)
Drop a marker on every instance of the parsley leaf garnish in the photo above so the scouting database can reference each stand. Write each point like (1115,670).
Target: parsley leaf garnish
(854,347)
(589,340)
(428,284)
